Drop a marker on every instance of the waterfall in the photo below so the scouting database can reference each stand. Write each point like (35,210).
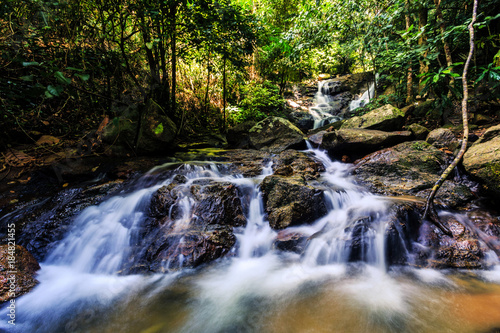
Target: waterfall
(321,111)
(342,275)
(365,96)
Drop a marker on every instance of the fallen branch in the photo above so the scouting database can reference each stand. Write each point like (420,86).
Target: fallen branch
(430,211)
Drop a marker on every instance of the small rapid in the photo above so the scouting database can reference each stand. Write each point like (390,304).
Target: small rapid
(342,281)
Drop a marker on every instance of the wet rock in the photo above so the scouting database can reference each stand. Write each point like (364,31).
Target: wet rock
(16,277)
(248,162)
(290,241)
(482,160)
(303,120)
(460,251)
(410,168)
(219,204)
(238,136)
(402,231)
(419,132)
(276,134)
(359,142)
(386,118)
(292,162)
(172,251)
(290,201)
(190,224)
(442,138)
(41,223)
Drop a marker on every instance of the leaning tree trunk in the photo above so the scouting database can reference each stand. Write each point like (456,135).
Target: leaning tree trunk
(429,207)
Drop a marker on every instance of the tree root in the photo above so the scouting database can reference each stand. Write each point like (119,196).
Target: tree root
(433,217)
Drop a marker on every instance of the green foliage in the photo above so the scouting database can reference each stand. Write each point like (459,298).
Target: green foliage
(260,100)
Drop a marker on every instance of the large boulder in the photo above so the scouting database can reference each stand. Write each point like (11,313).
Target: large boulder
(157,132)
(303,120)
(17,272)
(359,142)
(293,163)
(238,137)
(482,159)
(275,134)
(190,224)
(442,138)
(289,201)
(410,168)
(420,132)
(386,118)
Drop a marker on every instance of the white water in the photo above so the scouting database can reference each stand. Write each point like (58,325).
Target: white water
(81,274)
(321,111)
(365,97)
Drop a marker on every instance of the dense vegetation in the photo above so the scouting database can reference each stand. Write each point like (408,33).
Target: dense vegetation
(209,64)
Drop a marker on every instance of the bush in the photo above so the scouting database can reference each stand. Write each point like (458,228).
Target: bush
(260,100)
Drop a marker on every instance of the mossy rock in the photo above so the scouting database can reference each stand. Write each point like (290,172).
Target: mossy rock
(386,118)
(482,159)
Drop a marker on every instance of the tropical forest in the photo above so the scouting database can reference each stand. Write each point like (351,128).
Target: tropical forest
(250,166)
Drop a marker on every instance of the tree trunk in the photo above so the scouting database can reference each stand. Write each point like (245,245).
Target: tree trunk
(208,85)
(224,95)
(429,207)
(173,45)
(446,46)
(409,77)
(424,66)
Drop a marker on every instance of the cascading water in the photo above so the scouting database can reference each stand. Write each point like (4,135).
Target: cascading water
(321,111)
(338,283)
(365,97)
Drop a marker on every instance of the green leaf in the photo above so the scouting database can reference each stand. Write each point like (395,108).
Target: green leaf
(27,78)
(74,69)
(435,78)
(159,129)
(61,78)
(83,77)
(54,90)
(149,45)
(495,76)
(31,63)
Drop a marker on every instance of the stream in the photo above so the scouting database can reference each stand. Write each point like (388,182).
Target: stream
(331,286)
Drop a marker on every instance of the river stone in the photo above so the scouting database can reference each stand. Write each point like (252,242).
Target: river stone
(292,162)
(290,241)
(386,118)
(275,134)
(442,138)
(303,120)
(238,137)
(219,204)
(410,168)
(462,250)
(168,243)
(44,222)
(482,159)
(25,267)
(358,142)
(157,131)
(290,201)
(420,132)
